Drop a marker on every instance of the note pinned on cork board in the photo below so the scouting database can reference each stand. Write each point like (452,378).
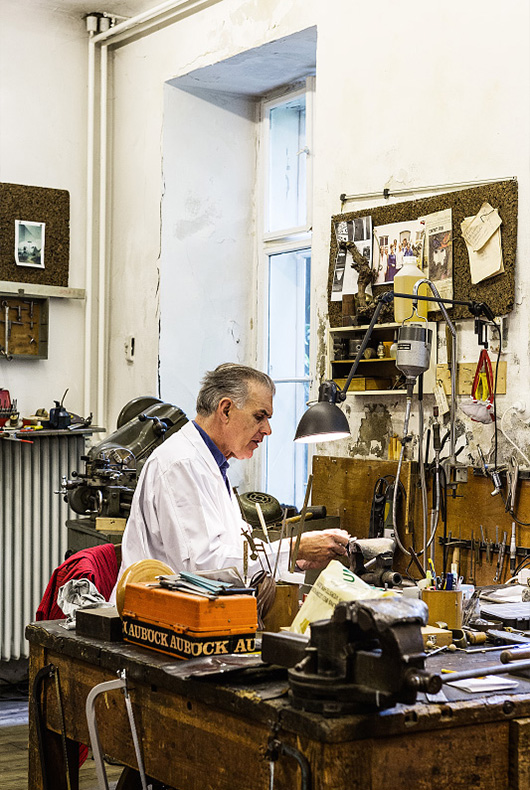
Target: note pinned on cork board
(482,235)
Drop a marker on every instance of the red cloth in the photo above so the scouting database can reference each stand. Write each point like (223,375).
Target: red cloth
(98,564)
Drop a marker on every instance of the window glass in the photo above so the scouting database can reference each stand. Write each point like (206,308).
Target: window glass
(287,204)
(289,281)
(289,295)
(287,461)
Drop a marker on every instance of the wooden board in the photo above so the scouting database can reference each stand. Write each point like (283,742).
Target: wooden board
(345,486)
(465,375)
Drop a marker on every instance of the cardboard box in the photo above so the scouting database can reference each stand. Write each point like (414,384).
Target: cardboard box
(187,626)
(364,384)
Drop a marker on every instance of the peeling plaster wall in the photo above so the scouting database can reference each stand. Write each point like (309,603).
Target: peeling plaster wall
(207,239)
(411,116)
(140,71)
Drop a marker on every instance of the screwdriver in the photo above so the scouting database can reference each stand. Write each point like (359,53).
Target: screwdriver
(513,551)
(500,560)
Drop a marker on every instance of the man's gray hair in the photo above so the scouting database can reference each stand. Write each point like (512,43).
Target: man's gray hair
(229,380)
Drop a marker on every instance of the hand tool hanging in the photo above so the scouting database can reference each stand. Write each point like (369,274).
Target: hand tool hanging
(480,406)
(276,749)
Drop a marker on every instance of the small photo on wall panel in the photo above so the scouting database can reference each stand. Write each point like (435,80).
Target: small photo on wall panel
(29,243)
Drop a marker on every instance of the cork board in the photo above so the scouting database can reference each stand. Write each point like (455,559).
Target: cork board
(49,211)
(498,291)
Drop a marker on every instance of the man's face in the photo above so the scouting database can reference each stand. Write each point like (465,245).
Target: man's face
(247,427)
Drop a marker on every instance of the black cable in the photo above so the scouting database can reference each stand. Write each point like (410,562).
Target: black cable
(512,514)
(522,564)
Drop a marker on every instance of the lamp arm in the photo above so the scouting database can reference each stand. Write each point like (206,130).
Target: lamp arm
(440,301)
(385,298)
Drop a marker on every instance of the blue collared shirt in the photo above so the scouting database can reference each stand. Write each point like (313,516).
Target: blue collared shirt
(220,459)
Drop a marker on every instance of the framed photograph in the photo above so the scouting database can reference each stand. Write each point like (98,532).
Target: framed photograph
(29,243)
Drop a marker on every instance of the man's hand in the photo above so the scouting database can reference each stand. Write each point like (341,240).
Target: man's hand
(318,548)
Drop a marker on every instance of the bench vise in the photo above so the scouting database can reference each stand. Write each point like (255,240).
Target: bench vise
(368,655)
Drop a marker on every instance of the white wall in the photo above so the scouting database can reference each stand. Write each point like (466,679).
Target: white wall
(461,68)
(42,143)
(141,70)
(207,270)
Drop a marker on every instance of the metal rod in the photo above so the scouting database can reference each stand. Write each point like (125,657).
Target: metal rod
(386,193)
(462,302)
(300,525)
(494,669)
(282,535)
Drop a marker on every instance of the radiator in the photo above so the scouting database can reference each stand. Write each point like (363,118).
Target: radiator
(33,534)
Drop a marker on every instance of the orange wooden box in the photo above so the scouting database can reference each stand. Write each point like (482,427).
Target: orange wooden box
(187,626)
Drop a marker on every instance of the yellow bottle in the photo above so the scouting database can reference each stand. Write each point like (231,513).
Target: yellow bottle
(404,282)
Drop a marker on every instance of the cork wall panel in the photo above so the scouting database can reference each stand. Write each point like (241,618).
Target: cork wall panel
(498,291)
(35,205)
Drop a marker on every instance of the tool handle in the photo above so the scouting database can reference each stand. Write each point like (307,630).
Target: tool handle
(514,655)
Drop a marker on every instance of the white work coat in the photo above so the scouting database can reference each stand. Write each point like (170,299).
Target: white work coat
(183,514)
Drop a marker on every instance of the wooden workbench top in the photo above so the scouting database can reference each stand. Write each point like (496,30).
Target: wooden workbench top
(260,694)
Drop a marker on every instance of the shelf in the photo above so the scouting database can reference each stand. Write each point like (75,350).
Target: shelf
(375,368)
(34,290)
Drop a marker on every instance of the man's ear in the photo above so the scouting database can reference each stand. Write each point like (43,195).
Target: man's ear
(223,409)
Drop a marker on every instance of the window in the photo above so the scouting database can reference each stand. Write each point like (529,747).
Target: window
(286,254)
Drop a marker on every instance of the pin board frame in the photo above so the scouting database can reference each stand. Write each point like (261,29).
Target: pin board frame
(35,204)
(497,291)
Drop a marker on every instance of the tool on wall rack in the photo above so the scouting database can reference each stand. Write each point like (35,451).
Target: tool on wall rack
(476,549)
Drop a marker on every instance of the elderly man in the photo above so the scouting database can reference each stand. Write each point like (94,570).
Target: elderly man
(183,511)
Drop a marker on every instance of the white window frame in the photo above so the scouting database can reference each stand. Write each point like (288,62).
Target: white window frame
(267,105)
(288,239)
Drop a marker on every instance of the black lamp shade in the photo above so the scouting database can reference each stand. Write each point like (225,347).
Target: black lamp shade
(322,422)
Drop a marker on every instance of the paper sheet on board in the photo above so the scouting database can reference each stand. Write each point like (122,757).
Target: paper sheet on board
(481,227)
(486,683)
(484,261)
(438,252)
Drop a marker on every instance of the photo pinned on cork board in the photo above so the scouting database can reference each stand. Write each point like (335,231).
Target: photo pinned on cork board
(29,243)
(396,244)
(356,233)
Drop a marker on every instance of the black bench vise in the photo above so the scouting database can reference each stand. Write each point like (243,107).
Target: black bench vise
(368,655)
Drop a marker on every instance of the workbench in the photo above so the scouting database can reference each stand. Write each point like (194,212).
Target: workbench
(212,732)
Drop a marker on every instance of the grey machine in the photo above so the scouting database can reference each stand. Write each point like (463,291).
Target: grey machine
(106,486)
